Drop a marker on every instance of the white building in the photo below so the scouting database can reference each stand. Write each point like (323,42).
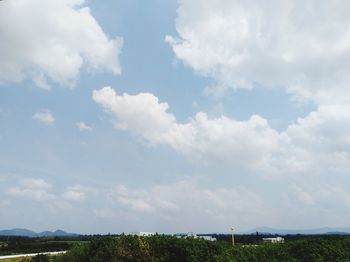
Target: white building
(209,238)
(143,234)
(273,240)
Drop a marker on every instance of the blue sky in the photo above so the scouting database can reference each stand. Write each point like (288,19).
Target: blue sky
(173,116)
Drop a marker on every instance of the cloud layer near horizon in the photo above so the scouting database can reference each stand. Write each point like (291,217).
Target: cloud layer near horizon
(50,41)
(180,204)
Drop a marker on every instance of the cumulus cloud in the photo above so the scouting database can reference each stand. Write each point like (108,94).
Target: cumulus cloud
(36,189)
(141,114)
(76,193)
(45,116)
(73,195)
(39,190)
(50,41)
(246,143)
(83,127)
(136,201)
(302,46)
(316,144)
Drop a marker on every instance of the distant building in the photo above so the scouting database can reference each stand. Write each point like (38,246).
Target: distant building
(143,234)
(209,238)
(273,240)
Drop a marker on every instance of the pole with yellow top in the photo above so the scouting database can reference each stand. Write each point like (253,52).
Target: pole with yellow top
(233,237)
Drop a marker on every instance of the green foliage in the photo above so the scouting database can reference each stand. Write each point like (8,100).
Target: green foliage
(143,249)
(160,248)
(21,245)
(41,258)
(303,250)
(77,253)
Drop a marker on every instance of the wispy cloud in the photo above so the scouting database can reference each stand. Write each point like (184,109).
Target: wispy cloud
(82,126)
(36,189)
(45,116)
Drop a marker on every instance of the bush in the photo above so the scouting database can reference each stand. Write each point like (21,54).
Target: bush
(41,258)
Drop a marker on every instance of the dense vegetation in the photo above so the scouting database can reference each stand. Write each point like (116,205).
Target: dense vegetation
(21,245)
(167,248)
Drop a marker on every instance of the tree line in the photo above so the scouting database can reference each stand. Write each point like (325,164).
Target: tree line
(161,248)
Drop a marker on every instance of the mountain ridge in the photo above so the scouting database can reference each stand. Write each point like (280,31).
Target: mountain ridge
(23,232)
(261,230)
(311,231)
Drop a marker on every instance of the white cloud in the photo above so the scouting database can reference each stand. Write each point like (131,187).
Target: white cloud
(302,46)
(36,189)
(40,190)
(50,41)
(75,193)
(315,145)
(34,183)
(140,114)
(45,116)
(246,143)
(36,194)
(327,196)
(183,202)
(318,144)
(83,127)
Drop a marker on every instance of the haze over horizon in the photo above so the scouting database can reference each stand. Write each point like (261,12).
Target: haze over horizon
(174,116)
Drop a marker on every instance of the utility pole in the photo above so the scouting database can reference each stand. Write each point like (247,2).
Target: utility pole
(233,236)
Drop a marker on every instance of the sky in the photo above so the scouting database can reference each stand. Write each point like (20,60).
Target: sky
(174,116)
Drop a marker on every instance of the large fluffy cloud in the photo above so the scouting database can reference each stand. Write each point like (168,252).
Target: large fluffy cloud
(316,144)
(319,143)
(247,143)
(50,41)
(309,161)
(302,46)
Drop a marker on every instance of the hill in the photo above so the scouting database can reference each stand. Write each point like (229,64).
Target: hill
(28,233)
(314,231)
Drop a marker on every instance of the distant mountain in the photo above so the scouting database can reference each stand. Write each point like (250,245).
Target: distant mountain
(28,233)
(17,232)
(314,231)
